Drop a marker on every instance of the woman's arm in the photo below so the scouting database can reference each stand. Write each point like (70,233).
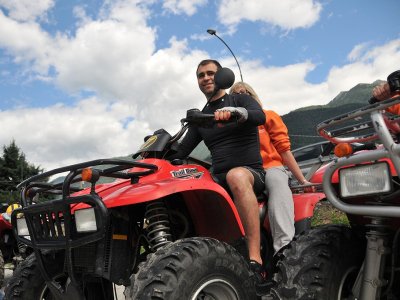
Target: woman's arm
(291,163)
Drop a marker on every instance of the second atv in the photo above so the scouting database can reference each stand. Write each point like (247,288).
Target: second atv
(360,261)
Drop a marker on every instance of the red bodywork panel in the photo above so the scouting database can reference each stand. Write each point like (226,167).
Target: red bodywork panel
(4,225)
(304,205)
(212,210)
(319,174)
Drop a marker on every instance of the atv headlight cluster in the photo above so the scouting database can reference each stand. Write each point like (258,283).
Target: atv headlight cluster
(85,220)
(365,180)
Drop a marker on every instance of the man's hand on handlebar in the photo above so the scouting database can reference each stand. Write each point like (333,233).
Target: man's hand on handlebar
(382,91)
(224,114)
(388,89)
(221,117)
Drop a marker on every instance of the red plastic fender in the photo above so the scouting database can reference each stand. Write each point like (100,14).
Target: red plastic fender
(4,225)
(304,204)
(319,174)
(211,209)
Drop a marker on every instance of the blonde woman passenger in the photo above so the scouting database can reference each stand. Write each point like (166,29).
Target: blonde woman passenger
(276,153)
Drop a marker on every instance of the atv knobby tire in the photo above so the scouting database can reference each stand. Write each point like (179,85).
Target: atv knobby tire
(320,264)
(193,268)
(1,269)
(27,282)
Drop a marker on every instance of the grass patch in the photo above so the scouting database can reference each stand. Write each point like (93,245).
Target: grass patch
(325,213)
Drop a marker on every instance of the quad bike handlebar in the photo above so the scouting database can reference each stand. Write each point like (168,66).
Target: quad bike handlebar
(160,142)
(385,128)
(195,117)
(339,135)
(392,123)
(393,81)
(198,118)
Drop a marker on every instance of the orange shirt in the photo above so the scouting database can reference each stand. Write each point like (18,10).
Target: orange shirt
(395,109)
(274,139)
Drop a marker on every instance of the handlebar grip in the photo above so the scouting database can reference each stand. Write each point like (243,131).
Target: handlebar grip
(373,100)
(235,114)
(394,81)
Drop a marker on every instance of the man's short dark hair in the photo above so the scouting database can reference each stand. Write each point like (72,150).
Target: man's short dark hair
(208,61)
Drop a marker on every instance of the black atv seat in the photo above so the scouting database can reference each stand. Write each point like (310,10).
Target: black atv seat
(263,197)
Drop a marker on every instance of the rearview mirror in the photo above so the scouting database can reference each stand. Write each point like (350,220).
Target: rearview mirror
(224,79)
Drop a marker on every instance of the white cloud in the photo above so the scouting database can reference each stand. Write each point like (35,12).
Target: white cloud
(26,10)
(113,56)
(26,42)
(80,13)
(357,52)
(368,66)
(284,89)
(188,7)
(60,135)
(286,14)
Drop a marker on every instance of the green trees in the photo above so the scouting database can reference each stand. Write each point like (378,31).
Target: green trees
(13,169)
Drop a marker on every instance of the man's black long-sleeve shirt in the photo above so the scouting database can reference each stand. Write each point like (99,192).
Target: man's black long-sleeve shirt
(233,145)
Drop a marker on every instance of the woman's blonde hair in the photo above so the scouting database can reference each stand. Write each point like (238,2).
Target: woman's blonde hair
(248,89)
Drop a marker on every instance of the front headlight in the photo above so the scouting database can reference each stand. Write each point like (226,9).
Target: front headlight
(365,180)
(85,220)
(22,228)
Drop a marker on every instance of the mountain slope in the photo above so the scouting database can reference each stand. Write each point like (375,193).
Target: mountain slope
(302,122)
(358,94)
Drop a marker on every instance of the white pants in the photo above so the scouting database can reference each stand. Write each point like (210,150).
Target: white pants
(280,206)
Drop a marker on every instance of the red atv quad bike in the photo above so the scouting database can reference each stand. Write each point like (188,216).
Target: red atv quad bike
(164,230)
(360,261)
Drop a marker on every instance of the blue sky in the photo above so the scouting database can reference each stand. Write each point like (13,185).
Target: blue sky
(89,79)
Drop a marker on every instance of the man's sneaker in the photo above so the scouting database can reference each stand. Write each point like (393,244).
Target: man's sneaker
(262,285)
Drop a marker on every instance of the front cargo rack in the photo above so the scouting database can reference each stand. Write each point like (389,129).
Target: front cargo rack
(50,223)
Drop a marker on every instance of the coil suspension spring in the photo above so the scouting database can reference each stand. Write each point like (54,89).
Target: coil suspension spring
(21,248)
(158,225)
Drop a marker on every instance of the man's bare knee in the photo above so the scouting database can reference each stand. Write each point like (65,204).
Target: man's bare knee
(238,176)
